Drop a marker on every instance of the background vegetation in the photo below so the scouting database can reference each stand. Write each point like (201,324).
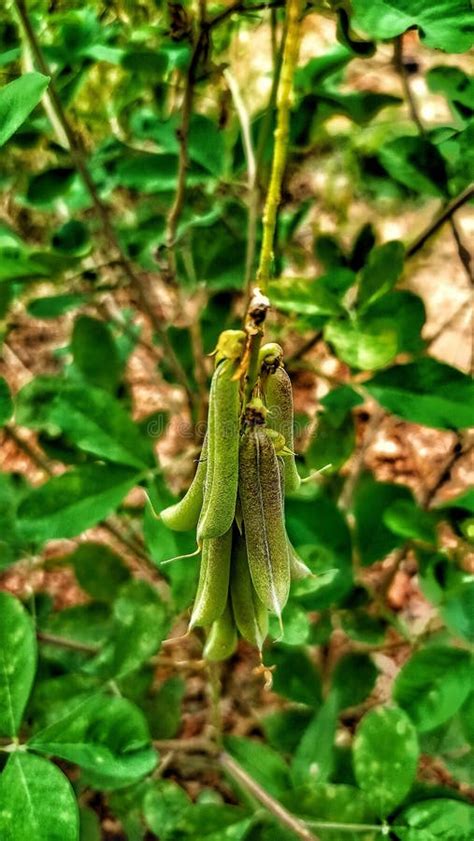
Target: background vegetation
(137,142)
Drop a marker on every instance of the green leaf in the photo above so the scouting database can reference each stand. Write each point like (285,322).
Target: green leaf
(163,709)
(343,804)
(295,676)
(353,678)
(385,751)
(49,186)
(262,763)
(163,807)
(107,737)
(433,685)
(69,504)
(456,86)
(338,402)
(439,819)
(314,757)
(36,801)
(206,144)
(6,402)
(99,571)
(407,314)
(90,829)
(366,343)
(17,100)
(305,296)
(407,520)
(52,306)
(320,534)
(330,445)
(72,238)
(371,499)
(427,392)
(95,352)
(417,164)
(17,264)
(295,622)
(381,272)
(285,728)
(446,25)
(90,418)
(17,663)
(140,624)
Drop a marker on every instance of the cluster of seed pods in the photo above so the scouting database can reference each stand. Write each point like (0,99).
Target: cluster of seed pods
(236,501)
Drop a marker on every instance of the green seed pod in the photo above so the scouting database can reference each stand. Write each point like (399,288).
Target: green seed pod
(262,508)
(230,345)
(250,614)
(270,357)
(213,586)
(184,515)
(279,401)
(220,486)
(222,640)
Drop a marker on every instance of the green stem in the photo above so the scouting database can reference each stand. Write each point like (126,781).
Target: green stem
(290,57)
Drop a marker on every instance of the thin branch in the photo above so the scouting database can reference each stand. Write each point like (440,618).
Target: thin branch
(28,450)
(200,45)
(290,58)
(243,9)
(62,642)
(78,156)
(407,91)
(399,63)
(253,193)
(285,817)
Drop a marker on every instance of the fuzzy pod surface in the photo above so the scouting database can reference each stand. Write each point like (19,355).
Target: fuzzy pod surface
(220,485)
(213,585)
(250,614)
(184,515)
(262,509)
(222,640)
(278,395)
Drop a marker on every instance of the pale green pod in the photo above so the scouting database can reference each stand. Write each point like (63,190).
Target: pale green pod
(251,616)
(278,395)
(220,486)
(222,640)
(213,585)
(184,515)
(262,508)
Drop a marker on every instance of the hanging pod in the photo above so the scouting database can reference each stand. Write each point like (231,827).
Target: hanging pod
(251,616)
(278,396)
(220,484)
(262,509)
(222,640)
(213,585)
(184,515)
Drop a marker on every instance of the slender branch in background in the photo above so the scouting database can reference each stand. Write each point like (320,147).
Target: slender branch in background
(288,820)
(441,217)
(200,46)
(62,642)
(290,58)
(407,91)
(399,63)
(28,450)
(243,9)
(78,157)
(252,189)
